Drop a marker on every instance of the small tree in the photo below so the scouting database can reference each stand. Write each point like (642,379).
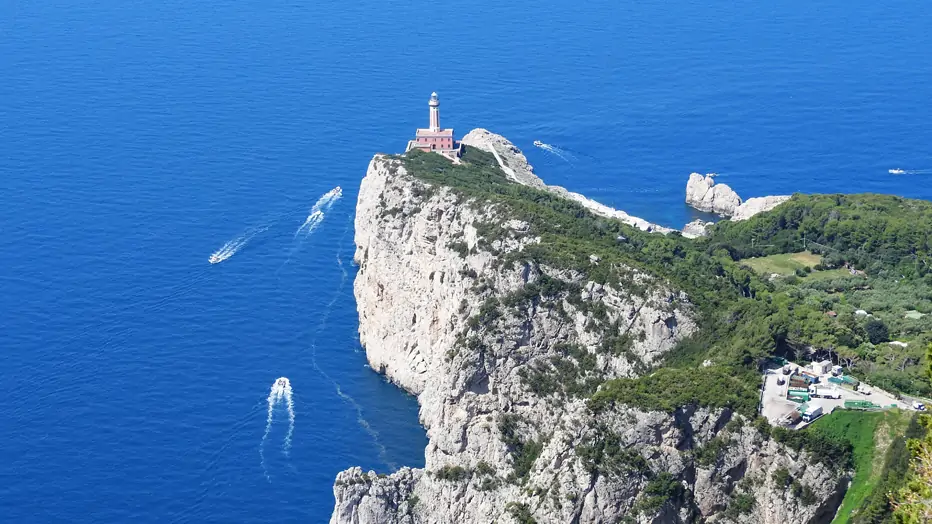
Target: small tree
(877,331)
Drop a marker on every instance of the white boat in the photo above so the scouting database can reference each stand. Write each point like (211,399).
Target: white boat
(538,143)
(896,171)
(215,258)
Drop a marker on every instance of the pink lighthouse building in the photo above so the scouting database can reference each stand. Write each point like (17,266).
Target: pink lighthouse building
(434,138)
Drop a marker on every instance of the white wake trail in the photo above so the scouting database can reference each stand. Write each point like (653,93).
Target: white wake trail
(279,394)
(562,153)
(230,248)
(316,215)
(310,223)
(910,171)
(289,405)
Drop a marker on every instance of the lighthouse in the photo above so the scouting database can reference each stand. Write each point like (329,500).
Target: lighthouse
(434,112)
(434,138)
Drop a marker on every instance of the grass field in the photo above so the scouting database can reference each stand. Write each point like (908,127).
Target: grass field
(787,264)
(870,435)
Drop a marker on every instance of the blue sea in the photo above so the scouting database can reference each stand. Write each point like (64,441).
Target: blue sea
(138,138)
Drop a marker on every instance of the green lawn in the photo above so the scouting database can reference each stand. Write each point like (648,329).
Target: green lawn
(787,264)
(870,435)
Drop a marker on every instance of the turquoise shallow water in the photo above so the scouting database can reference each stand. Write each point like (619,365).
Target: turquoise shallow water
(138,138)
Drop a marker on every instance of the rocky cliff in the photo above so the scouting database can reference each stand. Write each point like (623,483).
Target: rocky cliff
(704,194)
(502,351)
(515,165)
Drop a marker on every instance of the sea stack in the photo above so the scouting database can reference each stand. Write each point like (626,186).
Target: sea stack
(704,194)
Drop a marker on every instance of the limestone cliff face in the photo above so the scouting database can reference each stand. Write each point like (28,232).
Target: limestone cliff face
(446,311)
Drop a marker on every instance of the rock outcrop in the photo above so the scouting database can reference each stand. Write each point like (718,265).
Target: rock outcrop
(704,194)
(697,228)
(449,311)
(516,166)
(753,206)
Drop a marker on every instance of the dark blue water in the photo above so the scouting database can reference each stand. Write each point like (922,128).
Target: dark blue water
(136,138)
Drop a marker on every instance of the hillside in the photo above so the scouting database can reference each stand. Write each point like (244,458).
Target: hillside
(569,367)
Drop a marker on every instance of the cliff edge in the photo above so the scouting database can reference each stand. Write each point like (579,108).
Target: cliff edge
(505,305)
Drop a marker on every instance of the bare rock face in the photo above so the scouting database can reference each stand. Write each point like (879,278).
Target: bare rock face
(697,228)
(446,311)
(753,206)
(515,165)
(704,194)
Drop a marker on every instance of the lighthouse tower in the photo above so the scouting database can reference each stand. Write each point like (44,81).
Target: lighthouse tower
(435,138)
(434,112)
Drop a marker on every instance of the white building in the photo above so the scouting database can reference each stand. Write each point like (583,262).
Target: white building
(821,368)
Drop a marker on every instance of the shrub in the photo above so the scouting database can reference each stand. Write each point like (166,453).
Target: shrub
(781,477)
(741,504)
(708,454)
(451,473)
(521,513)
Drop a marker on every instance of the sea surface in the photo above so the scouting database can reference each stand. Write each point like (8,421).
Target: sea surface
(138,138)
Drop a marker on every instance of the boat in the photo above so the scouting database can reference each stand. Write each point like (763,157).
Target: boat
(215,258)
(538,143)
(896,171)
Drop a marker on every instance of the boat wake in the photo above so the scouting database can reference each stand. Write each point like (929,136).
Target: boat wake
(279,395)
(316,216)
(910,171)
(234,246)
(554,150)
(311,223)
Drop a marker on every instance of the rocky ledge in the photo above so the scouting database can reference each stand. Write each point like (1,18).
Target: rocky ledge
(503,351)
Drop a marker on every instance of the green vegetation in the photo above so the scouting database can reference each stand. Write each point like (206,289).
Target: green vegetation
(741,504)
(870,436)
(668,389)
(521,513)
(523,452)
(798,264)
(912,500)
(452,473)
(604,454)
(857,273)
(783,263)
(709,454)
(661,489)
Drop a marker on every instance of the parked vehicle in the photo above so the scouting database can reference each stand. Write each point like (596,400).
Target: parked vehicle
(862,388)
(817,391)
(811,413)
(846,381)
(919,406)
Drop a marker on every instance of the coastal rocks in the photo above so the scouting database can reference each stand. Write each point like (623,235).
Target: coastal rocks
(509,157)
(516,167)
(444,312)
(753,206)
(697,228)
(704,194)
